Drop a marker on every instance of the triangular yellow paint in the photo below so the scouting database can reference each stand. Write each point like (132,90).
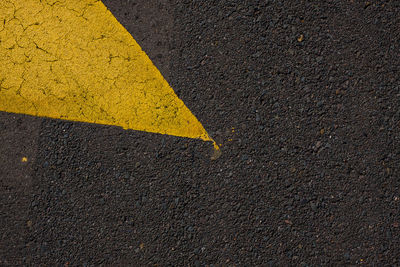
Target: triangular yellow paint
(72,60)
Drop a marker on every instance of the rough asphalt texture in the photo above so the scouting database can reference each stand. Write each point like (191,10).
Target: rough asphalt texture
(304,97)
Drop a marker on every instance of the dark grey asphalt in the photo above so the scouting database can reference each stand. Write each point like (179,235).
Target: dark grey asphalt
(309,176)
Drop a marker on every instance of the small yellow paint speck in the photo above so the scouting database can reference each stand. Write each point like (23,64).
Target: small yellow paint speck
(301,38)
(141,246)
(24,159)
(230,139)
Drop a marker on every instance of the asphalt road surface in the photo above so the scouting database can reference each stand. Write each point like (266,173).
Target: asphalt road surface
(304,98)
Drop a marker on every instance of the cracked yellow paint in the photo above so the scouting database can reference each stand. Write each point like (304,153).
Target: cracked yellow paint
(72,60)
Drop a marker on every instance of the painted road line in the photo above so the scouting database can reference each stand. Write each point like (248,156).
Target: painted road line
(72,60)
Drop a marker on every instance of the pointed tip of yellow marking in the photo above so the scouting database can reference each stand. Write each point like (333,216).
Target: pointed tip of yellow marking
(24,159)
(216,147)
(216,151)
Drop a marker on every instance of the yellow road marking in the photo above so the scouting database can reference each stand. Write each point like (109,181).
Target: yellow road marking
(72,60)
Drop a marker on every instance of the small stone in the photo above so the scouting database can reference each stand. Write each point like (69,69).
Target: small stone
(318,144)
(216,153)
(34,203)
(303,201)
(313,206)
(300,38)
